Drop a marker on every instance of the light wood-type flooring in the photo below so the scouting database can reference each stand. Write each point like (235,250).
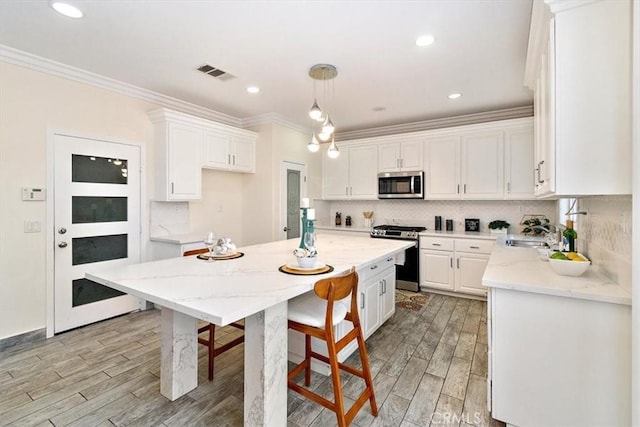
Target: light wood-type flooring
(429,365)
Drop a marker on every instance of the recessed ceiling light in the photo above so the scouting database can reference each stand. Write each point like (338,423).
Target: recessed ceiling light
(67,10)
(425,40)
(454,96)
(253,89)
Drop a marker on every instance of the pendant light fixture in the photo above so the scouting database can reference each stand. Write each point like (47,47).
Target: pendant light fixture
(323,128)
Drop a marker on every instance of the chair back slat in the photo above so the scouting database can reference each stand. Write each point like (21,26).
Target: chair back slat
(342,285)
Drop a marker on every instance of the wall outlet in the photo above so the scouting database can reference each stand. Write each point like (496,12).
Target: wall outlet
(32,226)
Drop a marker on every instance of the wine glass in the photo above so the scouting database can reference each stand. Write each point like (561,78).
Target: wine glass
(210,241)
(310,243)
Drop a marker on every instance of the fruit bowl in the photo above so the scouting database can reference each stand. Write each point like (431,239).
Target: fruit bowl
(568,267)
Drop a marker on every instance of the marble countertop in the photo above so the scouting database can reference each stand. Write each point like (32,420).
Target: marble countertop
(460,234)
(179,239)
(521,269)
(222,292)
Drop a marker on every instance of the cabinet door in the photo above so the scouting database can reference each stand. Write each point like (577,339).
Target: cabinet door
(388,297)
(443,168)
(336,176)
(216,150)
(389,157)
(412,153)
(482,165)
(363,181)
(469,271)
(436,269)
(518,162)
(243,154)
(371,310)
(184,147)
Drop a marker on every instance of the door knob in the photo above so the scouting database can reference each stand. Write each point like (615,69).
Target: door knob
(62,244)
(62,230)
(286,229)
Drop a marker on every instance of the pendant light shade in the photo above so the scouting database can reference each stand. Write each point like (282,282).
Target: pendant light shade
(313,145)
(315,113)
(328,126)
(333,151)
(324,136)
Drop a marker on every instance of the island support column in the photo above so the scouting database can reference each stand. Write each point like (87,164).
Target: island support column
(265,367)
(178,353)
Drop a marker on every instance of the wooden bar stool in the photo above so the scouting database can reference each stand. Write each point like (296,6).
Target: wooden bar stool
(315,315)
(211,329)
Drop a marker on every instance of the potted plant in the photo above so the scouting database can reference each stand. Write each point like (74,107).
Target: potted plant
(531,221)
(499,226)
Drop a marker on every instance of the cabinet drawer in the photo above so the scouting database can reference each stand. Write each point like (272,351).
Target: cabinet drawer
(436,243)
(474,246)
(378,267)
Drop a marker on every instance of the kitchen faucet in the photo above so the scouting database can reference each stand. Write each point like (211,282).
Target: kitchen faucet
(551,237)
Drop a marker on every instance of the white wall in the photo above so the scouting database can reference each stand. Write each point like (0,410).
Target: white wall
(30,104)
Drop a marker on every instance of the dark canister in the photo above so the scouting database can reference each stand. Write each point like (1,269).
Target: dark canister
(449,225)
(438,223)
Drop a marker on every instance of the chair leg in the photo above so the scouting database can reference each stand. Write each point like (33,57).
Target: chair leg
(212,336)
(307,359)
(367,372)
(337,386)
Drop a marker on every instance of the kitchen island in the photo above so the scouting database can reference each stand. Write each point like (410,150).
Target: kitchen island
(221,292)
(559,346)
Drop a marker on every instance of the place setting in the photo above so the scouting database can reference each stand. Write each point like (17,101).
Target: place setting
(306,254)
(219,249)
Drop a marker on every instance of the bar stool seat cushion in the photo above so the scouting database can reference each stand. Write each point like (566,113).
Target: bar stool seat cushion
(309,309)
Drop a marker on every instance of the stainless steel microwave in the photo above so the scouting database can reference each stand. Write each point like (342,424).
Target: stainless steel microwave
(401,185)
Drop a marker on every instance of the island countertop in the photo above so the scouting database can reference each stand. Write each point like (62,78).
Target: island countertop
(225,291)
(521,269)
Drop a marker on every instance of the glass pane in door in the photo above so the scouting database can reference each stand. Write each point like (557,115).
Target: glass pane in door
(85,209)
(102,170)
(85,291)
(293,203)
(98,248)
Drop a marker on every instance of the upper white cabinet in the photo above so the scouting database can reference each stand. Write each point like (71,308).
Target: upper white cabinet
(578,65)
(400,156)
(185,144)
(518,160)
(482,170)
(229,151)
(353,175)
(443,167)
(178,161)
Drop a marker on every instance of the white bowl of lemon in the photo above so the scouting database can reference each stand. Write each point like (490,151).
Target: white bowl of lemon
(569,264)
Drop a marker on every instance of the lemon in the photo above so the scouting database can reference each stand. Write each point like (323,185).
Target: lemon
(574,256)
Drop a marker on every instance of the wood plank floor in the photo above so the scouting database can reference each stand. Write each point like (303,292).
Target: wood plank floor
(429,365)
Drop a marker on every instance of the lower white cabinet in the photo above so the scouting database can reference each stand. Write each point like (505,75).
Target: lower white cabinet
(377,295)
(558,361)
(454,264)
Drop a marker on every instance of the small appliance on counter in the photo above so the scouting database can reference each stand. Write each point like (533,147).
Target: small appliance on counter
(407,274)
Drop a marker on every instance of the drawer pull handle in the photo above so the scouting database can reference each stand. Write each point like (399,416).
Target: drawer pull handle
(389,259)
(374,267)
(474,247)
(436,244)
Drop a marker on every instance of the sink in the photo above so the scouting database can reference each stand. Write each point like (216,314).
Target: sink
(518,243)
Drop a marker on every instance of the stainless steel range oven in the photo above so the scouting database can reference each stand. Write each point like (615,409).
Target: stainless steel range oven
(407,274)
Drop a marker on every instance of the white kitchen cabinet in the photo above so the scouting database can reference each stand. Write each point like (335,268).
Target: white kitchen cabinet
(377,295)
(482,165)
(185,144)
(400,156)
(443,167)
(353,175)
(178,155)
(578,65)
(370,304)
(555,360)
(518,161)
(454,264)
(226,151)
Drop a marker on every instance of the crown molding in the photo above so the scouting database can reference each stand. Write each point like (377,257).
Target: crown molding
(273,118)
(48,66)
(467,119)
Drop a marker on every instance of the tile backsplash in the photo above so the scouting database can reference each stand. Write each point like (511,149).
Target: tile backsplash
(168,218)
(605,235)
(421,212)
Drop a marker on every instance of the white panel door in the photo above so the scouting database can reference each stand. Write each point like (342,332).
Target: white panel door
(483,165)
(371,319)
(388,297)
(363,181)
(96,226)
(519,163)
(443,168)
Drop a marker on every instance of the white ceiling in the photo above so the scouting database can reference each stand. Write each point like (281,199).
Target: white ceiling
(479,51)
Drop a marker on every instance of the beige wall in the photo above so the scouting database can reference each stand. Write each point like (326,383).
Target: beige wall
(32,103)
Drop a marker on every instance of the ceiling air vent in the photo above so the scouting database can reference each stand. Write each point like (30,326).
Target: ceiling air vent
(216,72)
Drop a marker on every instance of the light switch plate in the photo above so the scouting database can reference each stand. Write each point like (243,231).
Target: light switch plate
(33,194)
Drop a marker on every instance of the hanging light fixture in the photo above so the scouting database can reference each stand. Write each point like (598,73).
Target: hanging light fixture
(325,132)
(333,151)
